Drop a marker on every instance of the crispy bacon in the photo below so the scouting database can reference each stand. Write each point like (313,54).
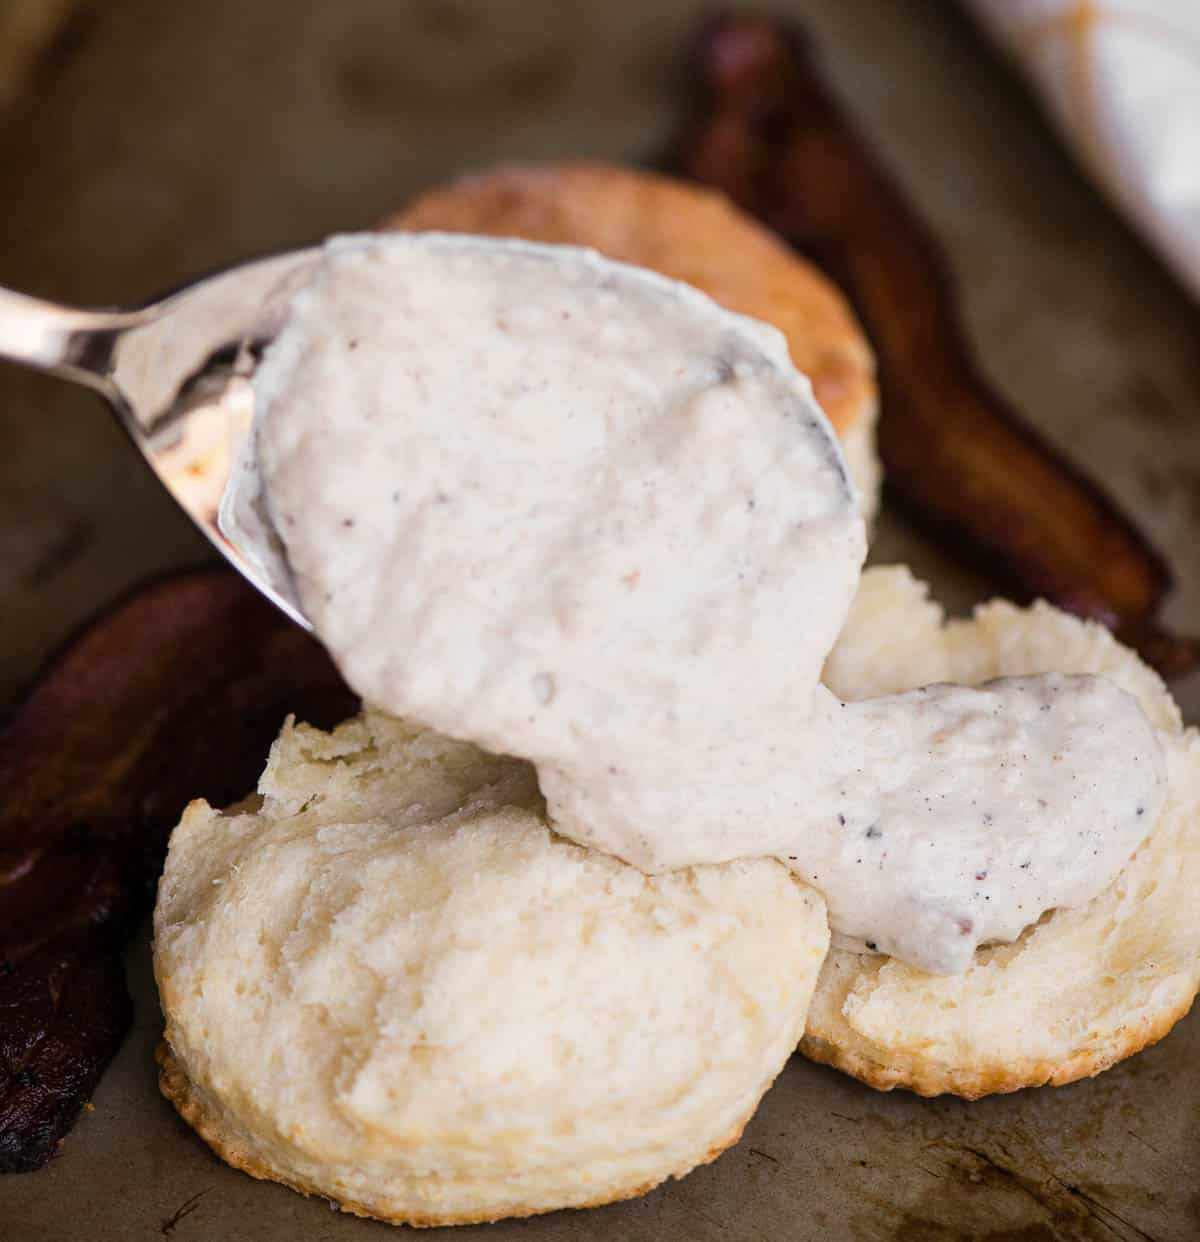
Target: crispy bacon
(176,692)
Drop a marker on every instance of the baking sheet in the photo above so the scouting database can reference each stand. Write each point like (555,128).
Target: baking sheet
(164,138)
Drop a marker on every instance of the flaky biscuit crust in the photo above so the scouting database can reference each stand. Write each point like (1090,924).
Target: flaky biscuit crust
(178,1088)
(929,1079)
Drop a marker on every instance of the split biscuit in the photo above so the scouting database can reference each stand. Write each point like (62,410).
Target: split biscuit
(388,983)
(1080,990)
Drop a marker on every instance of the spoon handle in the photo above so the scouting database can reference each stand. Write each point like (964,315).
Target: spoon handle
(74,344)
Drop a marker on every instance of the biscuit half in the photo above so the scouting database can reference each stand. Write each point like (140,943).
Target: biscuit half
(1080,990)
(391,985)
(691,234)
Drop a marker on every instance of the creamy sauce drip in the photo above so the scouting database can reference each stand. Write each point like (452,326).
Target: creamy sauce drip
(575,512)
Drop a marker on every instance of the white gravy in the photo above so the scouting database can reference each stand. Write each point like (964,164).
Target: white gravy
(575,512)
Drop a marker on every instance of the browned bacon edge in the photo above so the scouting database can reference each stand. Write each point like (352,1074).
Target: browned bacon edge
(174,692)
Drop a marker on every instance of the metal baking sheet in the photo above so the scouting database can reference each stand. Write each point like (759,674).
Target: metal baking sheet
(160,139)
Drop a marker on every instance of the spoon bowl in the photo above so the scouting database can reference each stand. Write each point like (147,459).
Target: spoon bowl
(176,373)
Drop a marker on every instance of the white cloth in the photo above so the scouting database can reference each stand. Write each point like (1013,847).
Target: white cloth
(1122,80)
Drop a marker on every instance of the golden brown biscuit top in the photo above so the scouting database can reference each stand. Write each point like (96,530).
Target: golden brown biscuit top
(682,231)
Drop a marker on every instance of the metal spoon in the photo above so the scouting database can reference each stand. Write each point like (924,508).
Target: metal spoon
(176,373)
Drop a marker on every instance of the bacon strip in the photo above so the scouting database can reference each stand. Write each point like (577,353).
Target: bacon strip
(958,458)
(177,692)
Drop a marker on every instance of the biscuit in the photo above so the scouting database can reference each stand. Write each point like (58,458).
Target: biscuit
(388,983)
(1080,990)
(691,234)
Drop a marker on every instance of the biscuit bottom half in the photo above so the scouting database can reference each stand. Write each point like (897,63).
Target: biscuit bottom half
(1080,990)
(389,983)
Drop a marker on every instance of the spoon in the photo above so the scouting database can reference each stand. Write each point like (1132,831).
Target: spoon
(176,373)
